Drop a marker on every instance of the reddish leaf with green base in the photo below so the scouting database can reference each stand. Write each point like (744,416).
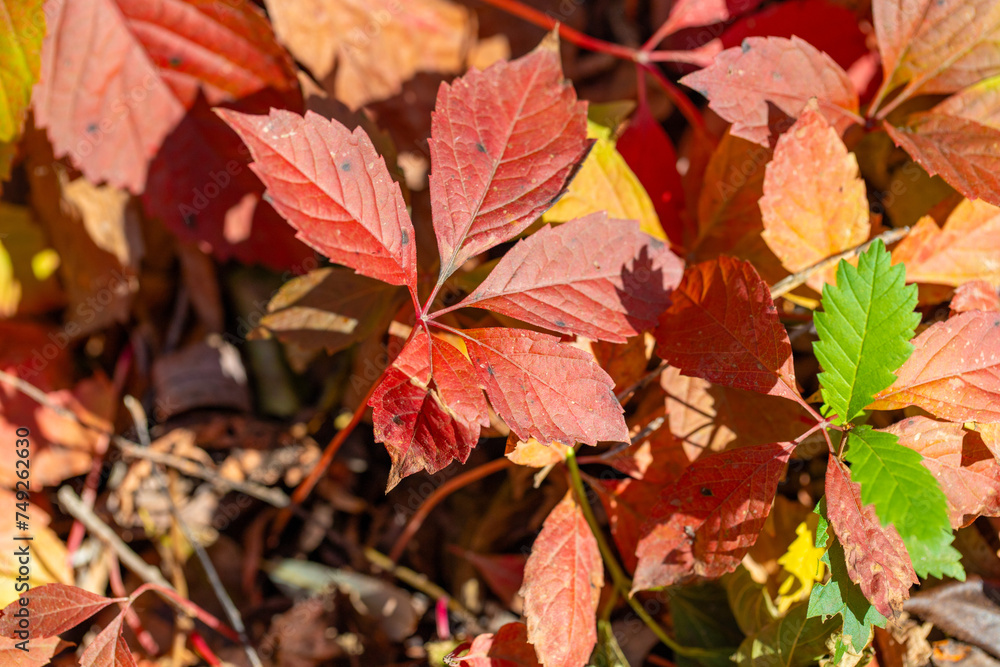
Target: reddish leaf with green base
(954,372)
(504,143)
(876,557)
(428,409)
(706,522)
(562,586)
(331,185)
(722,326)
(965,468)
(593,276)
(118,75)
(545,389)
(745,82)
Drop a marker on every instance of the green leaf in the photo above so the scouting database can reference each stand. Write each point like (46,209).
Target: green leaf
(840,595)
(22,29)
(608,652)
(750,602)
(864,332)
(702,619)
(796,640)
(906,495)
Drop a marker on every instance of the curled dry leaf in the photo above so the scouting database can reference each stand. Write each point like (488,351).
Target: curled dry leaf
(508,647)
(975,295)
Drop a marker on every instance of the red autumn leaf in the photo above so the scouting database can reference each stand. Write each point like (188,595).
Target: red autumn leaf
(54,608)
(504,143)
(428,409)
(627,503)
(965,468)
(742,83)
(937,46)
(331,185)
(118,75)
(706,522)
(586,276)
(546,389)
(975,295)
(562,586)
(39,654)
(831,28)
(962,151)
(659,459)
(722,326)
(650,154)
(201,187)
(508,647)
(625,363)
(691,13)
(877,559)
(807,219)
(954,371)
(963,250)
(109,648)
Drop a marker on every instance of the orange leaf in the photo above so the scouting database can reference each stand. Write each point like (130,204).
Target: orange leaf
(562,586)
(807,219)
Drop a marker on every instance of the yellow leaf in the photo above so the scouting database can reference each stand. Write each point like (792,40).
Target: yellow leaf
(802,561)
(48,561)
(606,183)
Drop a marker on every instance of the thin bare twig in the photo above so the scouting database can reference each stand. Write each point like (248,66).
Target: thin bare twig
(786,285)
(232,613)
(132,449)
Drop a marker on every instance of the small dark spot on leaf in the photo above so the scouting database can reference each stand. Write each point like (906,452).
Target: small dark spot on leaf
(397,420)
(480,147)
(92,128)
(705,491)
(175,61)
(560,324)
(996,323)
(405,238)
(190,219)
(346,166)
(776,75)
(745,46)
(489,369)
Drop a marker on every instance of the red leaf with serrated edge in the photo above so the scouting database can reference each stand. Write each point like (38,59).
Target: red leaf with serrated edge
(659,459)
(562,586)
(807,219)
(965,468)
(744,82)
(546,389)
(722,326)
(118,75)
(877,560)
(109,648)
(55,608)
(504,143)
(963,152)
(509,647)
(954,371)
(706,522)
(580,277)
(937,46)
(650,154)
(428,419)
(200,186)
(39,654)
(975,295)
(831,28)
(331,185)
